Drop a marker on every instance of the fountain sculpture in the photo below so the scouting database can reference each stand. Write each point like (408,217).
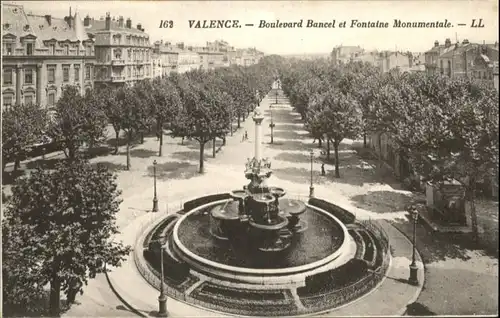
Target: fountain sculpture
(257,218)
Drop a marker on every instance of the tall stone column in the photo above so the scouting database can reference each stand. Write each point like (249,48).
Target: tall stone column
(19,69)
(257,118)
(39,84)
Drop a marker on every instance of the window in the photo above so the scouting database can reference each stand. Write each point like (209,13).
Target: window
(449,68)
(51,75)
(7,76)
(28,76)
(66,48)
(66,74)
(77,73)
(29,48)
(7,101)
(441,67)
(9,48)
(88,50)
(87,72)
(28,99)
(52,49)
(52,99)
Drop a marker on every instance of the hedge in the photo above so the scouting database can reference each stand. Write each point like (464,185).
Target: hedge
(344,216)
(188,206)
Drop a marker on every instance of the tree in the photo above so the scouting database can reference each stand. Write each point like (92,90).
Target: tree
(342,119)
(112,110)
(66,219)
(22,126)
(77,120)
(205,115)
(134,114)
(165,106)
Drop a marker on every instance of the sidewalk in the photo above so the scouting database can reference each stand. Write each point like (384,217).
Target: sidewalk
(390,298)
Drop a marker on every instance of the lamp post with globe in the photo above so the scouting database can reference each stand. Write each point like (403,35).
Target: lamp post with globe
(311,187)
(413,279)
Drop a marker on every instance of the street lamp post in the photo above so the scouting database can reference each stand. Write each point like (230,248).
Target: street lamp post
(162,299)
(155,198)
(271,125)
(413,266)
(311,188)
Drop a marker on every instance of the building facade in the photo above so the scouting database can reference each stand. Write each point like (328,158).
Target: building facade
(42,54)
(156,66)
(176,58)
(471,60)
(344,54)
(123,53)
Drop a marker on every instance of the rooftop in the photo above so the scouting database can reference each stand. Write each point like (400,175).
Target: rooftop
(100,25)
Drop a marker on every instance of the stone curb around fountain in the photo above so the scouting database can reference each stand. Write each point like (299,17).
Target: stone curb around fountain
(134,296)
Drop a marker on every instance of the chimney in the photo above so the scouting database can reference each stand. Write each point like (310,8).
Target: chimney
(120,22)
(108,21)
(129,23)
(48,17)
(436,43)
(447,43)
(86,21)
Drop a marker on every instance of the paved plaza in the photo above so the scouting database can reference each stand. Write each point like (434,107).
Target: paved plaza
(362,189)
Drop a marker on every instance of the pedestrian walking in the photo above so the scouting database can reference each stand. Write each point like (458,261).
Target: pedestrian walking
(323,169)
(246,135)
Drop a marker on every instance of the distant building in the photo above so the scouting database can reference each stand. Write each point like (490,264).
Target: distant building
(123,53)
(176,58)
(344,54)
(388,60)
(472,60)
(41,54)
(156,66)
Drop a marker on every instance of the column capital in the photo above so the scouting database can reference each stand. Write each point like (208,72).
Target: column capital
(39,65)
(19,66)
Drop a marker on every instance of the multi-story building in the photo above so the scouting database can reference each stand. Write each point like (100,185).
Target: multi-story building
(209,58)
(123,53)
(176,58)
(188,60)
(41,54)
(471,60)
(344,54)
(156,66)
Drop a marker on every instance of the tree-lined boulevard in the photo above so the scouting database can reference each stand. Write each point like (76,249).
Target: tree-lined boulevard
(58,218)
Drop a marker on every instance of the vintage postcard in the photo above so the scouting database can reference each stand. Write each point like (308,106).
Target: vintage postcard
(249,158)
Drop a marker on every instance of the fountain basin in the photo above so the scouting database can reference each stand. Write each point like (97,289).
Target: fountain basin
(316,250)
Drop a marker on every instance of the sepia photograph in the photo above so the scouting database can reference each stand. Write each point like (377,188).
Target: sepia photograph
(277,158)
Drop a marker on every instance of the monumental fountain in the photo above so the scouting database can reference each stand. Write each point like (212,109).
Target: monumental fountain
(253,251)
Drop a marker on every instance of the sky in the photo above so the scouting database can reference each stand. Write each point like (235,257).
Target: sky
(296,40)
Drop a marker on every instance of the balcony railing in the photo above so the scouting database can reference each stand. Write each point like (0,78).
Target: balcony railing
(116,78)
(118,62)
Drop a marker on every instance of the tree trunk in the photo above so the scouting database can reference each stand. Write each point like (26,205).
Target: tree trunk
(129,140)
(327,148)
(160,131)
(473,215)
(231,127)
(182,141)
(336,148)
(71,152)
(17,164)
(55,296)
(224,140)
(117,141)
(202,152)
(239,121)
(213,147)
(142,137)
